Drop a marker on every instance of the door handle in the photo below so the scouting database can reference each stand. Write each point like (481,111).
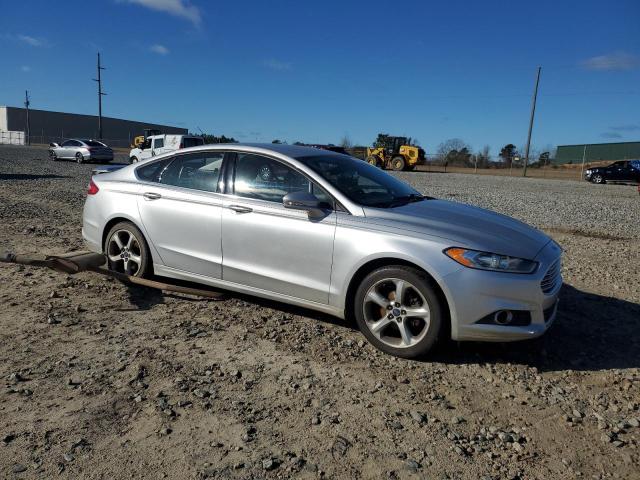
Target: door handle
(240,209)
(151,195)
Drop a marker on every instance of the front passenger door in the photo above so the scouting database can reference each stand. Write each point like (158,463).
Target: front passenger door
(269,247)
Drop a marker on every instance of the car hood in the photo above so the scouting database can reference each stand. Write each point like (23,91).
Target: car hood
(464,226)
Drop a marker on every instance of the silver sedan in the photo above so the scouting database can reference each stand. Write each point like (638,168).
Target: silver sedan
(80,151)
(332,233)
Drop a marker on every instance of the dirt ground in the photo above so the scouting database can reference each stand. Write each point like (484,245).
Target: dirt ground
(102,381)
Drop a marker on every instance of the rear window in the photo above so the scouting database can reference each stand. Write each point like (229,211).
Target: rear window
(152,171)
(192,142)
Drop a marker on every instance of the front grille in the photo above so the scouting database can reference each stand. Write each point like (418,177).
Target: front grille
(552,278)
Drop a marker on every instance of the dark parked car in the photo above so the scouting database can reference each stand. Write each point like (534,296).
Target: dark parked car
(621,171)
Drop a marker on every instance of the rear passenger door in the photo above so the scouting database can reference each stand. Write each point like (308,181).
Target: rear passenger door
(180,205)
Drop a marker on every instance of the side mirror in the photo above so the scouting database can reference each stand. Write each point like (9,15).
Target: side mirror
(53,144)
(303,201)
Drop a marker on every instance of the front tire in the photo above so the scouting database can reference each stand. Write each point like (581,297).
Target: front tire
(398,164)
(398,311)
(599,179)
(373,160)
(53,156)
(79,158)
(133,160)
(127,251)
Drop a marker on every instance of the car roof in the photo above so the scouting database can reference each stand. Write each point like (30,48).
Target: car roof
(295,151)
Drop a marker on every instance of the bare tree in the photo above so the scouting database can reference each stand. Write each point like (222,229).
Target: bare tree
(483,157)
(454,150)
(450,145)
(346,141)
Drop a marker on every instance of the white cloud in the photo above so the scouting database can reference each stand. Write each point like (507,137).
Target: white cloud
(274,64)
(33,41)
(178,8)
(612,61)
(159,49)
(25,68)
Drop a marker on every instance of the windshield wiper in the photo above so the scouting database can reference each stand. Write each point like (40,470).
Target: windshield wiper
(403,200)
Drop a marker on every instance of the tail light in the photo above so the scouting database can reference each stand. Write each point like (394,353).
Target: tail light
(93,188)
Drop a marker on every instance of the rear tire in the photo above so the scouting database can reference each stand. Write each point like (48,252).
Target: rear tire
(398,311)
(79,158)
(398,164)
(127,250)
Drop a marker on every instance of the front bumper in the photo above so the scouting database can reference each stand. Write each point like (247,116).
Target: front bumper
(476,294)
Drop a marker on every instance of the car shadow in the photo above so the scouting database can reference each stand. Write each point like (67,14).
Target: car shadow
(591,332)
(143,298)
(27,176)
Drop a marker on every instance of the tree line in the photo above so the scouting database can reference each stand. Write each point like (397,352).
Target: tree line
(451,152)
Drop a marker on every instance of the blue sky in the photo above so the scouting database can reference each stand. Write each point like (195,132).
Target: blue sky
(316,71)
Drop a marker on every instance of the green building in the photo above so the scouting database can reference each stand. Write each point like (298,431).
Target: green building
(594,152)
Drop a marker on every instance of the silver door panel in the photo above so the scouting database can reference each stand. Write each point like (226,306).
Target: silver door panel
(272,248)
(184,227)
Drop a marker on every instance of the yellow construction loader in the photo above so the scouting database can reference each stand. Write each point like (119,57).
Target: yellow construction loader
(395,153)
(139,140)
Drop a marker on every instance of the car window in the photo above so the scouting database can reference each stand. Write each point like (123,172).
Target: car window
(198,171)
(192,142)
(158,142)
(68,143)
(264,178)
(151,172)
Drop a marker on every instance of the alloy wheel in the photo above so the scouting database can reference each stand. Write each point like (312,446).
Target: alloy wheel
(396,313)
(124,252)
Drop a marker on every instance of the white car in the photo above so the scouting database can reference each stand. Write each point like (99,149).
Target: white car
(158,144)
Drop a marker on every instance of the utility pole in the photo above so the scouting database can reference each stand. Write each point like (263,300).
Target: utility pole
(533,113)
(26,106)
(584,155)
(100,94)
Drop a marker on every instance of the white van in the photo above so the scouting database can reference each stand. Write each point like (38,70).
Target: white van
(159,144)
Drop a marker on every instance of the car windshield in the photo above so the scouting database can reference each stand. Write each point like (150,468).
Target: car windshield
(362,183)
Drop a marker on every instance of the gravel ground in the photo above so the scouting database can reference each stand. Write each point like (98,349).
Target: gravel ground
(104,381)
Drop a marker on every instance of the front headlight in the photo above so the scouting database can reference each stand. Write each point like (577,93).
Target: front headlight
(490,261)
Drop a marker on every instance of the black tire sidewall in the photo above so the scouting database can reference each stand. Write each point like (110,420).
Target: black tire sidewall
(373,161)
(398,159)
(424,284)
(146,263)
(79,157)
